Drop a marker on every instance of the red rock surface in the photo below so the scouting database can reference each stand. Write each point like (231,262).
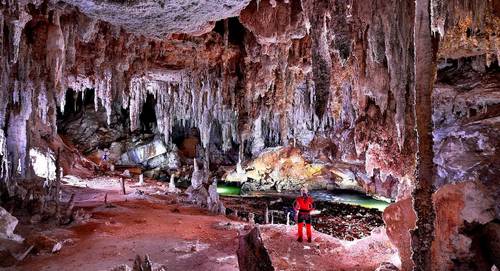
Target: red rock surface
(400,219)
(326,252)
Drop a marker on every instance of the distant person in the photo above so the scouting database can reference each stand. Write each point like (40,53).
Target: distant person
(104,160)
(303,206)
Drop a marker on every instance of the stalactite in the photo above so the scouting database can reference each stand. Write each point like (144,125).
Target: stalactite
(16,29)
(43,103)
(398,59)
(258,143)
(17,142)
(321,59)
(194,100)
(4,161)
(55,52)
(104,93)
(302,115)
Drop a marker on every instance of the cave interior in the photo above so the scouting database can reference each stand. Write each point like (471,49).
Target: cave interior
(177,134)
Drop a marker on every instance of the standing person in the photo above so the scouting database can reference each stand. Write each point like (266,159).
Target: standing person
(303,206)
(104,160)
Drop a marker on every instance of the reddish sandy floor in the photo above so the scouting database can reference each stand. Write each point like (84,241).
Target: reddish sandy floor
(327,252)
(183,237)
(179,236)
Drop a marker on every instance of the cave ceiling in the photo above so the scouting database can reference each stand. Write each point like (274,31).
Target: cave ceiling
(160,18)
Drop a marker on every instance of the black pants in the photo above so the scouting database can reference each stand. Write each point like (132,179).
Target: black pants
(304,217)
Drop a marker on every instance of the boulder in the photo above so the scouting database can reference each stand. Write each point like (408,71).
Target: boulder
(168,160)
(142,153)
(252,254)
(12,252)
(8,224)
(89,130)
(115,151)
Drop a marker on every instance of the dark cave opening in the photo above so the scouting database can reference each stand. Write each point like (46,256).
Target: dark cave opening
(219,156)
(186,139)
(452,71)
(484,246)
(235,30)
(147,116)
(87,128)
(76,102)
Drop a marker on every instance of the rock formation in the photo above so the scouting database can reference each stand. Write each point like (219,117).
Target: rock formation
(141,264)
(398,99)
(213,202)
(8,224)
(197,191)
(252,254)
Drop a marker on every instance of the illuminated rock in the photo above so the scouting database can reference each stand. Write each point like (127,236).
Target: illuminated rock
(8,224)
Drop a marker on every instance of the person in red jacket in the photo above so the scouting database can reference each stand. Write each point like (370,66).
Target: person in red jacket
(303,206)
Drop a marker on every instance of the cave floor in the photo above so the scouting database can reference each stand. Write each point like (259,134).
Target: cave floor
(179,236)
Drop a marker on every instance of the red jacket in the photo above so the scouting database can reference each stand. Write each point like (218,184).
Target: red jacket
(304,204)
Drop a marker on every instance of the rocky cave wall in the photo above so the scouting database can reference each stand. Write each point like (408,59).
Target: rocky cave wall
(243,84)
(281,73)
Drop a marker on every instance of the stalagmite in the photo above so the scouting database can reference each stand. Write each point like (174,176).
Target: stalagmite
(196,191)
(197,179)
(251,218)
(122,183)
(215,205)
(171,185)
(239,169)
